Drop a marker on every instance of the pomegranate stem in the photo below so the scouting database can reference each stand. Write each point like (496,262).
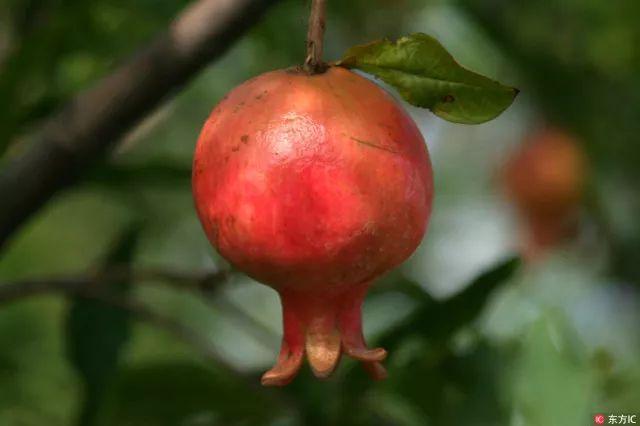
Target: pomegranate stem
(315,38)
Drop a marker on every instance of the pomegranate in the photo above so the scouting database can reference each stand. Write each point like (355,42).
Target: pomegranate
(313,185)
(545,179)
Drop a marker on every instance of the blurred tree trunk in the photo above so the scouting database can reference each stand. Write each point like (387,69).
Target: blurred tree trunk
(88,127)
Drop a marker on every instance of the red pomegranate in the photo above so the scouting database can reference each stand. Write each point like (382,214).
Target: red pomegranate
(545,179)
(313,185)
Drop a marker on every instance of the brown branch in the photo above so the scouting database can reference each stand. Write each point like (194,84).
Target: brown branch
(204,282)
(92,287)
(163,322)
(200,283)
(96,287)
(185,334)
(315,38)
(252,326)
(88,127)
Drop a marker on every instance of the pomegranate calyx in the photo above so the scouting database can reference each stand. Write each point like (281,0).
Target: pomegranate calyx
(323,326)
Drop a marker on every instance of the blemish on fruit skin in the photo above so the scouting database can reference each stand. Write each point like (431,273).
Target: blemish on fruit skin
(197,168)
(213,227)
(238,107)
(230,221)
(374,145)
(448,98)
(244,139)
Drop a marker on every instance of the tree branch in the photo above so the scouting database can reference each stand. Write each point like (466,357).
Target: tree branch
(204,282)
(94,287)
(252,326)
(201,283)
(315,37)
(87,128)
(163,322)
(179,331)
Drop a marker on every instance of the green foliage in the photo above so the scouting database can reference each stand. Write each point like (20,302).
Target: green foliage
(420,346)
(97,331)
(37,386)
(547,354)
(491,353)
(427,76)
(439,320)
(61,46)
(179,393)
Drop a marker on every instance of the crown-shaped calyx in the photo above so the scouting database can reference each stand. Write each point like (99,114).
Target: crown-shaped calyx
(322,325)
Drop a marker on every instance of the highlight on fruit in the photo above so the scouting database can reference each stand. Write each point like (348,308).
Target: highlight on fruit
(315,181)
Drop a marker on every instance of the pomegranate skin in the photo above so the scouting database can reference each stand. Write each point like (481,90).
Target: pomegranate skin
(313,185)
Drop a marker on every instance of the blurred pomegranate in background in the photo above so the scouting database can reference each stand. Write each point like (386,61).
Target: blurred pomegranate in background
(545,179)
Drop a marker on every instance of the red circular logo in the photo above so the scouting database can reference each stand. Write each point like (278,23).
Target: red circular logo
(598,419)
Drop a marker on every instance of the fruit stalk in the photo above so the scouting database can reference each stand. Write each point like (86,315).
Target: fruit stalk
(315,38)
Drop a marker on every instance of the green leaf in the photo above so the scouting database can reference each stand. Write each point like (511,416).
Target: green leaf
(96,332)
(433,322)
(173,393)
(427,76)
(437,321)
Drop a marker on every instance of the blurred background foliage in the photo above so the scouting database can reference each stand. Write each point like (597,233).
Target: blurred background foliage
(474,337)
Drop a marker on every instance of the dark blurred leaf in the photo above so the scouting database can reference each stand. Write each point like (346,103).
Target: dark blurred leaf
(96,332)
(456,389)
(318,402)
(179,393)
(460,389)
(431,367)
(427,76)
(437,321)
(397,282)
